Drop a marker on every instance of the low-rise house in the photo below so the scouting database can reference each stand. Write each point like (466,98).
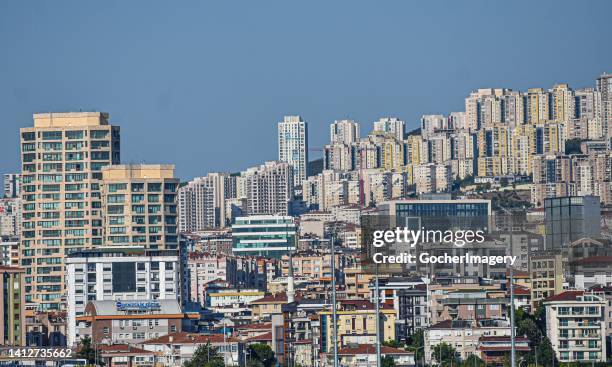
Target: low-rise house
(364,355)
(176,348)
(494,349)
(463,335)
(123,355)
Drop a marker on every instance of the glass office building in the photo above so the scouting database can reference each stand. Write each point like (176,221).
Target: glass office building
(440,214)
(264,235)
(571,218)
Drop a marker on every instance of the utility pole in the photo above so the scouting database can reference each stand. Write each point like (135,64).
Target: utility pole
(377,301)
(512,330)
(334,305)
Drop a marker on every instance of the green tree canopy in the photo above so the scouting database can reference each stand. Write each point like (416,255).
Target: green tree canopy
(417,345)
(473,361)
(444,354)
(205,356)
(86,351)
(387,361)
(260,355)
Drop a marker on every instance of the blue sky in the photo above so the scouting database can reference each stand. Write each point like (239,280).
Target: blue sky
(202,84)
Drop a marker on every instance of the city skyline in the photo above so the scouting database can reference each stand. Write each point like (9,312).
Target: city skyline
(181,79)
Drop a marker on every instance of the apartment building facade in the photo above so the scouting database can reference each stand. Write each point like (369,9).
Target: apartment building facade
(62,158)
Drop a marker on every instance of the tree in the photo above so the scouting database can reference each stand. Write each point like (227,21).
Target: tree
(261,355)
(529,328)
(473,361)
(87,352)
(392,344)
(540,318)
(205,356)
(444,354)
(545,353)
(416,345)
(387,361)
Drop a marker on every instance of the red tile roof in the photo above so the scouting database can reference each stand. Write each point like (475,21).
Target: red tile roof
(122,349)
(371,349)
(258,326)
(267,337)
(189,338)
(502,338)
(565,296)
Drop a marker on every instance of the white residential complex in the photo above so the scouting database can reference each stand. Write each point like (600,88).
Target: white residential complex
(113,273)
(202,202)
(576,327)
(269,188)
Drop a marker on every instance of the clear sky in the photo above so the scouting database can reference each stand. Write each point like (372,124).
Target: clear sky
(202,84)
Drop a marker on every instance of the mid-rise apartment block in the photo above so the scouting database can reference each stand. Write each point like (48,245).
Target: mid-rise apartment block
(62,158)
(546,276)
(576,327)
(12,306)
(264,235)
(127,274)
(140,206)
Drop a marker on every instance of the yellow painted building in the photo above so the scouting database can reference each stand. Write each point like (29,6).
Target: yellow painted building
(356,324)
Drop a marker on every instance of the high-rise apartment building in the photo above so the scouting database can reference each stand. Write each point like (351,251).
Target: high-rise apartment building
(62,158)
(140,206)
(563,105)
(344,132)
(293,146)
(12,185)
(392,126)
(432,123)
(538,106)
(269,188)
(604,87)
(202,202)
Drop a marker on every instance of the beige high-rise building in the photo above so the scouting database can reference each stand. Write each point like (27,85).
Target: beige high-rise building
(563,105)
(62,158)
(140,206)
(538,106)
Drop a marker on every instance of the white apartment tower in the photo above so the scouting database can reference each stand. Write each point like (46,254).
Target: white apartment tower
(269,188)
(344,132)
(202,202)
(391,125)
(293,146)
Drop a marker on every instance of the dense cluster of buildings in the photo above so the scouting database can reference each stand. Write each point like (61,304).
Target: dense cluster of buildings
(150,267)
